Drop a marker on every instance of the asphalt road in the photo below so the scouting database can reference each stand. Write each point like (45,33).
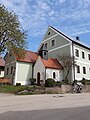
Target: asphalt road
(45,107)
(81,113)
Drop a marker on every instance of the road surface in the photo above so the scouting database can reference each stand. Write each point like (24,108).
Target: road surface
(45,107)
(82,113)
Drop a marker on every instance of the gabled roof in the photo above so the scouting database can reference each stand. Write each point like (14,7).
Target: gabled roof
(51,63)
(72,39)
(29,56)
(2,62)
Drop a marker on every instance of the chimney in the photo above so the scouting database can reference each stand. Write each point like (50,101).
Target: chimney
(77,38)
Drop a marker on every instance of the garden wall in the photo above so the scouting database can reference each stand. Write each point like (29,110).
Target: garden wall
(67,88)
(86,88)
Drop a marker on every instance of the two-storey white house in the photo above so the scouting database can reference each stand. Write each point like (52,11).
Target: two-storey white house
(57,43)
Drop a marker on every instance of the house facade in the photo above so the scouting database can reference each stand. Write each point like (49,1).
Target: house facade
(44,64)
(44,69)
(2,65)
(56,43)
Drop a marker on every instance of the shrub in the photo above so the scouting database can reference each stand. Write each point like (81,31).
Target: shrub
(58,83)
(18,84)
(49,82)
(83,81)
(88,83)
(74,82)
(32,80)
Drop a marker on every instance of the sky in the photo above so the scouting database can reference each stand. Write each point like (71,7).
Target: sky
(69,16)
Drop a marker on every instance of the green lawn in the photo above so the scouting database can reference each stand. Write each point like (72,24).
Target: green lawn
(12,89)
(28,90)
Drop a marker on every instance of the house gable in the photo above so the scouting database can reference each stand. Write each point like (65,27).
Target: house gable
(39,68)
(10,57)
(60,39)
(49,34)
(57,44)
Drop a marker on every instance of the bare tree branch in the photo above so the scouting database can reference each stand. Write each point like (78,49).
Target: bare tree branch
(68,63)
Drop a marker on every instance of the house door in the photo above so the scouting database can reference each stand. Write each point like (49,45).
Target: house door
(38,78)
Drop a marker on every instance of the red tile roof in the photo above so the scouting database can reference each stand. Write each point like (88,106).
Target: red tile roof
(4,80)
(52,63)
(29,56)
(2,62)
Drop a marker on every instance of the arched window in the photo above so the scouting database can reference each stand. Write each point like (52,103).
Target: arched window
(46,45)
(53,43)
(54,75)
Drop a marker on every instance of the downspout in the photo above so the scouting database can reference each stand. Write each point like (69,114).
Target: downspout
(73,66)
(32,69)
(45,73)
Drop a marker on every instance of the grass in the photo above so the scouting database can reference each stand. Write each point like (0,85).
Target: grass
(12,89)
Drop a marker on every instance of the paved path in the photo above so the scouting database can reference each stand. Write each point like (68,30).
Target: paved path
(37,102)
(82,113)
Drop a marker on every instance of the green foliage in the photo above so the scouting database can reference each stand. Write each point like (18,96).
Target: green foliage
(85,82)
(10,88)
(58,83)
(49,82)
(11,33)
(74,82)
(66,81)
(18,84)
(32,80)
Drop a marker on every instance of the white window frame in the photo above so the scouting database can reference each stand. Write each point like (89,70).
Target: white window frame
(76,54)
(83,55)
(51,43)
(78,69)
(47,45)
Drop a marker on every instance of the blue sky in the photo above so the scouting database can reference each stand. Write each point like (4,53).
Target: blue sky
(69,16)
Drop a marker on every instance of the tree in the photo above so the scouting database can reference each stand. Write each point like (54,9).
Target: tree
(11,34)
(68,63)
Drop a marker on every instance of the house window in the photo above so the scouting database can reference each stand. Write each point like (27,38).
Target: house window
(11,69)
(46,45)
(83,55)
(48,33)
(54,75)
(88,56)
(84,70)
(53,42)
(77,53)
(44,53)
(7,70)
(78,69)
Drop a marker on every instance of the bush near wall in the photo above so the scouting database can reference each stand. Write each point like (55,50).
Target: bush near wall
(85,81)
(58,83)
(18,84)
(49,82)
(33,81)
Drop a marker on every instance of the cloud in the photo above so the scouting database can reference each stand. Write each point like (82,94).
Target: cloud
(70,16)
